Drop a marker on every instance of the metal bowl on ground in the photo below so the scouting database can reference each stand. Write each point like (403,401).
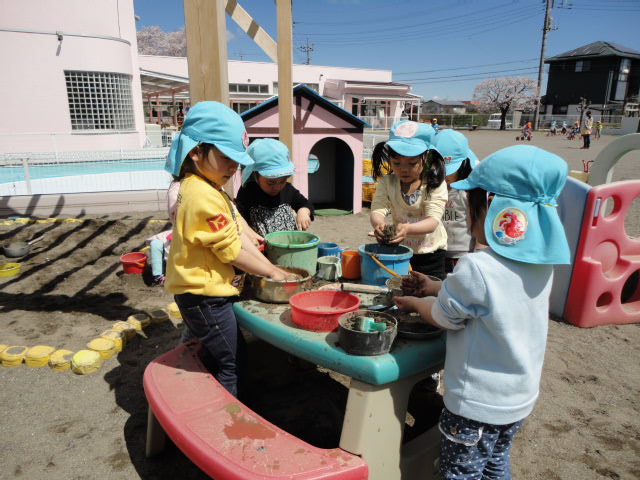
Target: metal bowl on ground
(274,291)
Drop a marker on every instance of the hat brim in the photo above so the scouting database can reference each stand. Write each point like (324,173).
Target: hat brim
(277,172)
(407,149)
(465,184)
(453,166)
(242,158)
(544,240)
(180,147)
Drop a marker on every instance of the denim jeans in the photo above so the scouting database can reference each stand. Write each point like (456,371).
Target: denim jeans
(471,450)
(212,321)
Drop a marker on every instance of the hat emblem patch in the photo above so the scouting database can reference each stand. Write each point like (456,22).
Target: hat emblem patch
(406,130)
(245,139)
(510,226)
(447,159)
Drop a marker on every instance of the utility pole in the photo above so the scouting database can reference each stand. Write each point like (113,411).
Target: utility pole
(307,49)
(545,29)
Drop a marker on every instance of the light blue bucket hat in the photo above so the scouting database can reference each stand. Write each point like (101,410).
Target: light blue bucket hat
(454,148)
(410,139)
(214,123)
(271,159)
(522,222)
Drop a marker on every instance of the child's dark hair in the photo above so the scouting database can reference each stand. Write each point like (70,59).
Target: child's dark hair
(465,169)
(432,165)
(188,166)
(477,199)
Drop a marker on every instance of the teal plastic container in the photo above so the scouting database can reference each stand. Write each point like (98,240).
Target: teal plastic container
(293,249)
(396,258)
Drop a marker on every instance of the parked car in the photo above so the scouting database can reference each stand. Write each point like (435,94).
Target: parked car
(494,121)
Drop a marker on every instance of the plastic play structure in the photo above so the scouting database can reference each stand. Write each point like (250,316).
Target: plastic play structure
(602,284)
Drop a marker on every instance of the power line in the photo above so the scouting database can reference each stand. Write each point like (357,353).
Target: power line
(418,35)
(308,50)
(469,79)
(469,74)
(470,66)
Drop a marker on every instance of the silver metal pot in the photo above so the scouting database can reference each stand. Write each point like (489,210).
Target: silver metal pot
(274,291)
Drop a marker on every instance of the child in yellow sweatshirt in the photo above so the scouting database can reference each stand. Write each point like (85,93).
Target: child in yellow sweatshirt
(207,236)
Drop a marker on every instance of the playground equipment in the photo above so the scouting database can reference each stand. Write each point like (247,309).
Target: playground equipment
(602,284)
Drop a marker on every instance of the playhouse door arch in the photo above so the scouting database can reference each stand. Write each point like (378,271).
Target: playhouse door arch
(331,186)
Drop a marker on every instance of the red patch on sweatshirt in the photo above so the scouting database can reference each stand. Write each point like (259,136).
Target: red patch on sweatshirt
(217,222)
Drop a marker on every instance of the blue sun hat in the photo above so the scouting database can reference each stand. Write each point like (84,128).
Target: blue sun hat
(410,139)
(214,123)
(271,159)
(522,222)
(454,148)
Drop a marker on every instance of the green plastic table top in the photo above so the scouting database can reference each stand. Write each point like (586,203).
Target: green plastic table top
(272,323)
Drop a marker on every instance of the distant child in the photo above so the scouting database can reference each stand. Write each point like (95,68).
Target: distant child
(598,129)
(207,240)
(414,194)
(434,125)
(585,130)
(564,127)
(266,200)
(495,307)
(526,132)
(160,242)
(459,161)
(552,128)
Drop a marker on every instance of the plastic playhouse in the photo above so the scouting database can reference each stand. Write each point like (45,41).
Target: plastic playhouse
(601,286)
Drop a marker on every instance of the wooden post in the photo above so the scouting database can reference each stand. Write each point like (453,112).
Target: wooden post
(285,81)
(206,31)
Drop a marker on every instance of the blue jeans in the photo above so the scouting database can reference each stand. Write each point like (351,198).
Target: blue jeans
(471,450)
(212,321)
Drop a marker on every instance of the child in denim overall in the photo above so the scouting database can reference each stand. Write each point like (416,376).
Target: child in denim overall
(495,307)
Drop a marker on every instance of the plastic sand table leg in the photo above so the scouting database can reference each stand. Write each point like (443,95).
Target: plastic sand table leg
(374,422)
(156,438)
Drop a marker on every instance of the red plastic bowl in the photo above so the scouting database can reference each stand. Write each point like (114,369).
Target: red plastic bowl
(319,310)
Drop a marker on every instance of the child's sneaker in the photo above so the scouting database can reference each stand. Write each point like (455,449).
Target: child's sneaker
(158,280)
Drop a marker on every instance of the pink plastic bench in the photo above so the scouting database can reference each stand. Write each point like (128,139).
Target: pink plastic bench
(222,436)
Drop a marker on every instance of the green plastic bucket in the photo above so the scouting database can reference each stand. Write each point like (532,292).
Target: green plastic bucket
(293,249)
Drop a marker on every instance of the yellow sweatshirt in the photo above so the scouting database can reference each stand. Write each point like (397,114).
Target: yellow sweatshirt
(205,241)
(388,200)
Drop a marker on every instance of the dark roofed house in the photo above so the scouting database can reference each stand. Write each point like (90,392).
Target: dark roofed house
(604,73)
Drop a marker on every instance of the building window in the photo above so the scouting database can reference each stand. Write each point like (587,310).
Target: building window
(583,65)
(248,88)
(623,77)
(99,100)
(560,109)
(239,107)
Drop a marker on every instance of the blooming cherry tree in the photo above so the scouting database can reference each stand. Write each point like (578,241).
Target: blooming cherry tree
(504,94)
(153,40)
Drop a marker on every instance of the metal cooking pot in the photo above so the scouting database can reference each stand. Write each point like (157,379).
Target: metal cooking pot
(281,291)
(20,249)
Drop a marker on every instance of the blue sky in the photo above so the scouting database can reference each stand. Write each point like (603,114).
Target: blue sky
(443,48)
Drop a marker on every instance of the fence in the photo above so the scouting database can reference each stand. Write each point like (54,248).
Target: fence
(30,173)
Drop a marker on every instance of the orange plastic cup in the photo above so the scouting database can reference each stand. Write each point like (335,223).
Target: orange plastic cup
(351,264)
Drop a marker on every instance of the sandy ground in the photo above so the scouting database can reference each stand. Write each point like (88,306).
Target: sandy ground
(586,424)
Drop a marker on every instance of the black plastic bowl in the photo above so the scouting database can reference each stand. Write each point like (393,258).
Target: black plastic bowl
(356,342)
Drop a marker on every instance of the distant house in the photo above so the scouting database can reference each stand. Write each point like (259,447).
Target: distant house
(604,73)
(443,106)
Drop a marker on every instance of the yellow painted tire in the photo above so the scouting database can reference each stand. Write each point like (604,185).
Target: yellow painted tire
(60,360)
(139,321)
(13,356)
(117,337)
(38,356)
(158,316)
(105,347)
(85,361)
(174,311)
(124,327)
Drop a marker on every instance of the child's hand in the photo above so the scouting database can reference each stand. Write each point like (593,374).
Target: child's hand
(406,303)
(278,275)
(378,232)
(303,219)
(402,230)
(417,284)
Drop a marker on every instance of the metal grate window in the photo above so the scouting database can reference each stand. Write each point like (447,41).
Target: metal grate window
(99,100)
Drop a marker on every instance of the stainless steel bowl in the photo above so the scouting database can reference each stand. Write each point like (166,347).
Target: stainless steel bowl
(274,291)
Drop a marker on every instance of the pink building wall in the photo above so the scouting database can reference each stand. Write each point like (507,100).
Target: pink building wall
(35,106)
